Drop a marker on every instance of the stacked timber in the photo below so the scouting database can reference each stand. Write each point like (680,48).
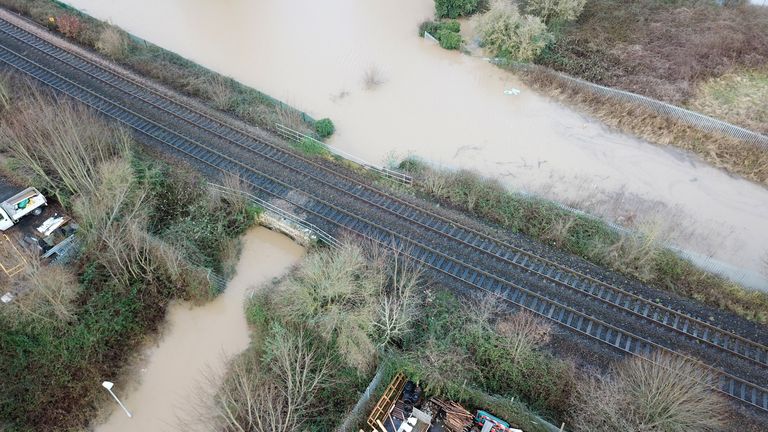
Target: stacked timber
(457,418)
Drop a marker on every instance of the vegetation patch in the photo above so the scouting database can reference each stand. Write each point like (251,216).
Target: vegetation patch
(446,32)
(636,256)
(324,128)
(661,49)
(738,97)
(148,234)
(455,8)
(505,33)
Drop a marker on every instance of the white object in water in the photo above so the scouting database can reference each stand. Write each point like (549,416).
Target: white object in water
(513,92)
(108,385)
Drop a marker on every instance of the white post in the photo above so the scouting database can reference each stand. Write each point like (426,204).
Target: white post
(108,385)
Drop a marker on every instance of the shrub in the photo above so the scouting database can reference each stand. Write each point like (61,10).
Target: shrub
(448,39)
(69,25)
(312,147)
(666,394)
(324,128)
(554,10)
(455,8)
(506,33)
(113,43)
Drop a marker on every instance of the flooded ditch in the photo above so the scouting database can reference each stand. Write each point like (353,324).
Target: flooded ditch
(196,343)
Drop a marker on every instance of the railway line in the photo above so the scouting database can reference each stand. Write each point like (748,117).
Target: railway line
(341,203)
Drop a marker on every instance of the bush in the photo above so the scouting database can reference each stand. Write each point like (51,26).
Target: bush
(324,128)
(448,39)
(446,32)
(69,25)
(666,394)
(554,11)
(312,147)
(506,33)
(113,43)
(455,8)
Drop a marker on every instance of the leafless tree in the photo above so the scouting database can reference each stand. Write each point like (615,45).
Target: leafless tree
(274,393)
(399,299)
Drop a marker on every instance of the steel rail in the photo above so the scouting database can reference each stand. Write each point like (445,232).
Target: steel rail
(544,268)
(593,327)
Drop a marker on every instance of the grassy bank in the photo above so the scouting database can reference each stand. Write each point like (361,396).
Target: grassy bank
(737,157)
(639,257)
(661,49)
(163,66)
(149,233)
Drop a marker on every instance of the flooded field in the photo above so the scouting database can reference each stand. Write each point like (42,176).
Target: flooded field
(197,342)
(451,109)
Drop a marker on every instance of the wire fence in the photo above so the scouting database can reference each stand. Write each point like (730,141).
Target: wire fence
(296,136)
(688,117)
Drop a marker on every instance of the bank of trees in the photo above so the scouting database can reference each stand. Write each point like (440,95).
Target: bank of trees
(149,233)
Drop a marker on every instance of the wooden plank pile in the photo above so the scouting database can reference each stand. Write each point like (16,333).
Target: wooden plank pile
(457,418)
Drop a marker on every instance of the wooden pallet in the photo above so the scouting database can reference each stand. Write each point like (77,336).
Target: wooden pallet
(387,401)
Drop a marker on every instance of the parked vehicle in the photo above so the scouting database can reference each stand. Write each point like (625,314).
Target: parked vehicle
(28,201)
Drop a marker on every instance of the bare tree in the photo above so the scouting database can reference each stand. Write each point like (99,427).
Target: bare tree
(276,392)
(398,298)
(524,332)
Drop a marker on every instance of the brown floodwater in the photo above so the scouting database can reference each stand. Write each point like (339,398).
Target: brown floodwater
(451,109)
(197,341)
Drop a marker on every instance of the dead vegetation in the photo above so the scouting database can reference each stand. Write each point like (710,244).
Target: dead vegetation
(660,49)
(665,394)
(373,77)
(48,293)
(113,43)
(60,144)
(746,160)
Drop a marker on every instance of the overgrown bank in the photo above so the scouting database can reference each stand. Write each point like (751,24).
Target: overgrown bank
(149,233)
(344,312)
(642,257)
(176,72)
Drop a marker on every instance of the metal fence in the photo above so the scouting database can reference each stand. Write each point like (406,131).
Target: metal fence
(296,136)
(309,227)
(688,117)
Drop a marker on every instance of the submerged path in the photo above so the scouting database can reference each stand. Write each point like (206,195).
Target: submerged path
(603,309)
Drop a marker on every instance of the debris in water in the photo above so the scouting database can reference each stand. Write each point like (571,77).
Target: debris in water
(513,92)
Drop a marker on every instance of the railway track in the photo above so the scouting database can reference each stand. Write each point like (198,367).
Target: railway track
(440,261)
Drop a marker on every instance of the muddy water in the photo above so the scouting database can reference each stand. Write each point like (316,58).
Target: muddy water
(449,108)
(198,341)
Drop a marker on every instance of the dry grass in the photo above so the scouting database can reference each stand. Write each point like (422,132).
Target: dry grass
(5,96)
(113,43)
(738,97)
(61,144)
(48,293)
(665,394)
(735,156)
(661,49)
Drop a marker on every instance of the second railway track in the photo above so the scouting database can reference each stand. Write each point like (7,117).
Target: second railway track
(451,265)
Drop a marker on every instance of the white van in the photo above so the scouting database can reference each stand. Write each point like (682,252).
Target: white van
(28,201)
